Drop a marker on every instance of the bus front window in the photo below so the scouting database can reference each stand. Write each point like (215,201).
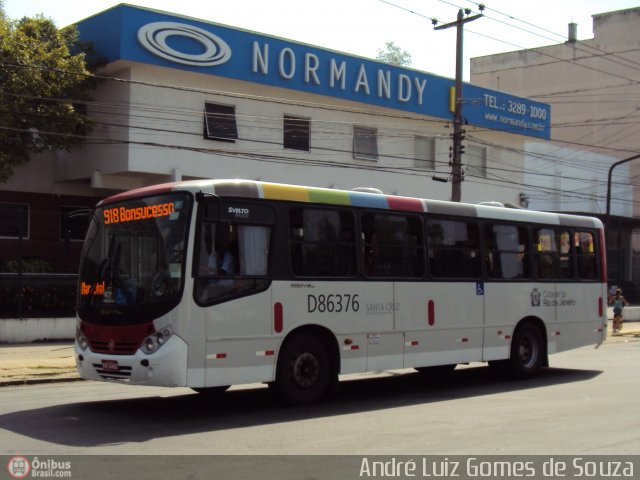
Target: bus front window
(132,266)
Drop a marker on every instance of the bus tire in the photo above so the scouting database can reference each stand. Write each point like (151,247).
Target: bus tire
(303,372)
(527,352)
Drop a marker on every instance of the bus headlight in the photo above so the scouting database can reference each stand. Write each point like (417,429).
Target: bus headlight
(83,344)
(153,342)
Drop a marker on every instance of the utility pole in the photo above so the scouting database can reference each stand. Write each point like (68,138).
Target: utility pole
(458,132)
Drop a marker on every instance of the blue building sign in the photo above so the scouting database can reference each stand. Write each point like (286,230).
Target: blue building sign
(148,36)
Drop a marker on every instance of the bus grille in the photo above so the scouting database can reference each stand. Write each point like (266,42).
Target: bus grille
(123,373)
(118,348)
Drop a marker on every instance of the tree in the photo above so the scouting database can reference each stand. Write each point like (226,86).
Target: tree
(394,55)
(43,83)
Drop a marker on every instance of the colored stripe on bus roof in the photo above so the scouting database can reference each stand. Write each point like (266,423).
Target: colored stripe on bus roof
(237,189)
(406,203)
(371,200)
(333,197)
(274,191)
(294,193)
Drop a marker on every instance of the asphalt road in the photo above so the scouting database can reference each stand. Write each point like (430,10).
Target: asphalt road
(587,403)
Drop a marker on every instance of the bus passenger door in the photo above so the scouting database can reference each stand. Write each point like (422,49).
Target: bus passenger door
(232,289)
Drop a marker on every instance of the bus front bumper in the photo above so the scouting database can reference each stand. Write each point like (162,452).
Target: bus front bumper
(166,367)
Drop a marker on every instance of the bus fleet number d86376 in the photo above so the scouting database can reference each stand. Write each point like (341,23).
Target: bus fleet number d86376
(333,303)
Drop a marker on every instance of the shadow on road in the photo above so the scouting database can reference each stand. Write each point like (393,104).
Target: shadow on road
(98,423)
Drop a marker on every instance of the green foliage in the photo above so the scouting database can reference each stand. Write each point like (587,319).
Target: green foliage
(43,81)
(29,265)
(394,55)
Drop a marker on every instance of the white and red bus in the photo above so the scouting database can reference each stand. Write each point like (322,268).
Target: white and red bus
(206,284)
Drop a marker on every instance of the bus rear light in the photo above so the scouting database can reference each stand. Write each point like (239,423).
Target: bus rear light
(278,318)
(600,307)
(431,313)
(603,257)
(153,342)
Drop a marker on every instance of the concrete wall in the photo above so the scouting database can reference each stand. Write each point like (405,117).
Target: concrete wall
(24,330)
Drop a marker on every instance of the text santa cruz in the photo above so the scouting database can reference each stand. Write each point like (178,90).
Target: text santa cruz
(383,83)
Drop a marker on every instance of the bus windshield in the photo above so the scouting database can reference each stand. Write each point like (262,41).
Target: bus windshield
(133,262)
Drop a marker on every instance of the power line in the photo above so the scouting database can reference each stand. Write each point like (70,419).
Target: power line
(259,98)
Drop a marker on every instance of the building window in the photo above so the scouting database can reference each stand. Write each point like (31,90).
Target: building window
(74,223)
(365,143)
(14,220)
(220,122)
(476,161)
(296,133)
(424,153)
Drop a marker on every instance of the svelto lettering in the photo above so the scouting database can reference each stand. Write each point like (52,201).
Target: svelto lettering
(123,214)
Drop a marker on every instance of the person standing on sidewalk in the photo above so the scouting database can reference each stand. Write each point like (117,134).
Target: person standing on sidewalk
(618,302)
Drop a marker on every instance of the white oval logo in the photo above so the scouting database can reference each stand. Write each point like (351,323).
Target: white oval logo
(154,36)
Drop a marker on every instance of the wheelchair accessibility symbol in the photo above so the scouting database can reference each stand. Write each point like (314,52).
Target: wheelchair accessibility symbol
(479,288)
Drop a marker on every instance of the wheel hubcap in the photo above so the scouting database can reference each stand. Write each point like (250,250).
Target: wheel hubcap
(528,352)
(305,370)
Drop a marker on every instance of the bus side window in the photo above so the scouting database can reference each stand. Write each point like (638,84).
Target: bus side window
(566,255)
(454,249)
(585,255)
(322,242)
(233,261)
(392,245)
(507,251)
(547,258)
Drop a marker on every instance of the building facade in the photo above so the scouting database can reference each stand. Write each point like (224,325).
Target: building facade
(592,86)
(183,98)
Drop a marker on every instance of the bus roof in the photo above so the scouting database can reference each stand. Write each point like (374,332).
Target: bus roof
(358,198)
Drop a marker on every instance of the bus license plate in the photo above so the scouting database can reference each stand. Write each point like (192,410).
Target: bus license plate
(110,365)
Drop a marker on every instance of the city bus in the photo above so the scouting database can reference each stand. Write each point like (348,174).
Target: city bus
(211,283)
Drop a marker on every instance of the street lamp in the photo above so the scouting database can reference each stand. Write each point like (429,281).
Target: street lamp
(609,184)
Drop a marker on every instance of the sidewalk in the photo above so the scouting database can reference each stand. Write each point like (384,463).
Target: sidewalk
(30,363)
(48,362)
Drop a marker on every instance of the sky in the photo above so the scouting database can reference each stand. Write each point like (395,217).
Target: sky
(362,27)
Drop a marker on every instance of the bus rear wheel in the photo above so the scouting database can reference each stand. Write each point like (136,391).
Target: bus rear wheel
(527,352)
(303,372)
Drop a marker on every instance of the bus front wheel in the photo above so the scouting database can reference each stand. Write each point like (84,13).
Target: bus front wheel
(302,373)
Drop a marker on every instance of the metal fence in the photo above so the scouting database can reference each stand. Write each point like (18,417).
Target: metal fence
(37,295)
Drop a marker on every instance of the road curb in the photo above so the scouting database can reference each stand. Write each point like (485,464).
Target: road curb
(37,381)
(626,334)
